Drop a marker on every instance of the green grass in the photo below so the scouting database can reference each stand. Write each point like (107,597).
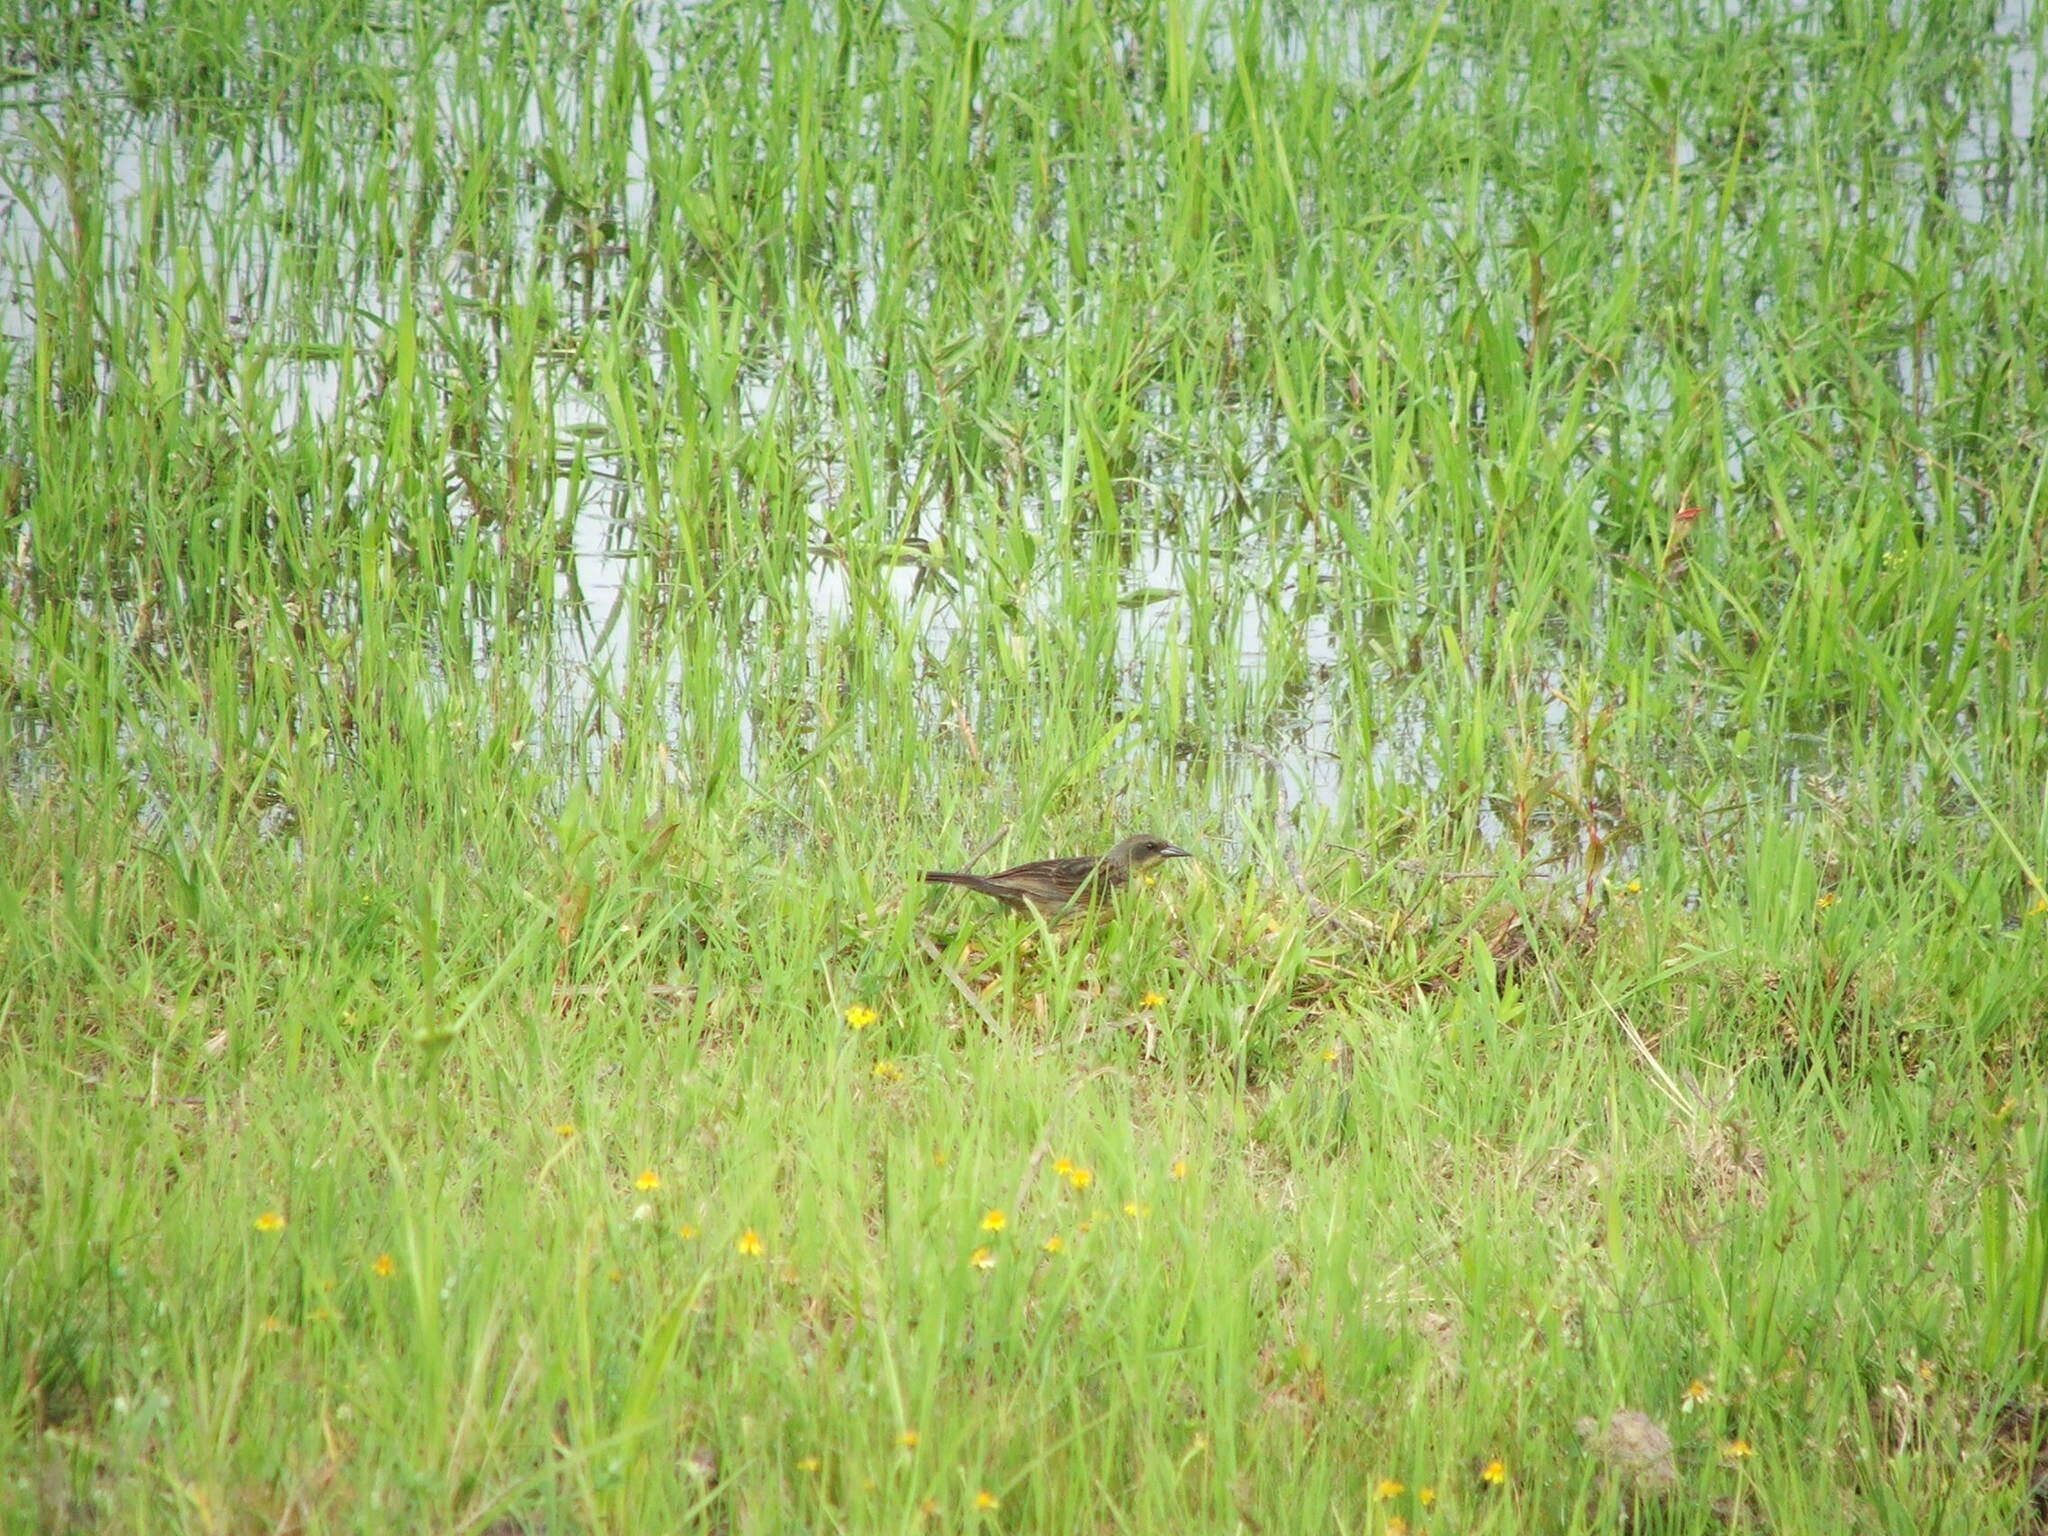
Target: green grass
(522,530)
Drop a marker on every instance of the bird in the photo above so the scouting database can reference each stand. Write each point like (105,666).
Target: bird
(1057,887)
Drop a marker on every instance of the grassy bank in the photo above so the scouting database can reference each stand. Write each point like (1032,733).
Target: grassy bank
(525,532)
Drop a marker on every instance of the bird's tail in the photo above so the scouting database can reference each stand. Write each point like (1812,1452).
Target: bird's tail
(972,882)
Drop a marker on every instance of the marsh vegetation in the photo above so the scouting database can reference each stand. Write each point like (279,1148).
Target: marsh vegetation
(526,527)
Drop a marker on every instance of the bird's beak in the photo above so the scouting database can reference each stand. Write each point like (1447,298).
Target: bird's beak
(1171,852)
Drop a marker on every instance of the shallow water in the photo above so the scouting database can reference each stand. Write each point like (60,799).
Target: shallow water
(1226,570)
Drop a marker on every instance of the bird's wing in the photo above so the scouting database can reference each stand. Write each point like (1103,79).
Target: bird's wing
(1075,870)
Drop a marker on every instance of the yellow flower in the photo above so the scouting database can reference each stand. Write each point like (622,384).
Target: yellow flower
(565,1130)
(2039,908)
(1136,1211)
(1634,887)
(994,1221)
(1397,1527)
(749,1244)
(1055,1243)
(928,1507)
(1496,1472)
(383,1266)
(809,1463)
(908,1439)
(1827,899)
(648,1179)
(1696,1393)
(1080,1178)
(272,1325)
(987,1500)
(1151,1000)
(939,1156)
(1180,1169)
(860,1016)
(1063,1166)
(686,1231)
(887,1072)
(981,1258)
(1389,1489)
(1329,1053)
(1425,1495)
(270,1221)
(1738,1450)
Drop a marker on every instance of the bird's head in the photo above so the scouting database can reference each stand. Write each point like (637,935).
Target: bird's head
(1142,852)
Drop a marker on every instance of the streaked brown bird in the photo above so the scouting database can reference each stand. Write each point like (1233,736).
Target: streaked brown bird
(1055,887)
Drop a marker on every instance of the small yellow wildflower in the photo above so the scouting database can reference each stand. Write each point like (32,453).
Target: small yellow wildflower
(1634,887)
(987,1500)
(383,1266)
(1695,1395)
(1389,1489)
(994,1221)
(1063,1166)
(2039,908)
(1496,1472)
(686,1231)
(749,1244)
(270,1221)
(1180,1170)
(1080,1178)
(908,1439)
(1055,1243)
(565,1130)
(860,1016)
(1827,899)
(1151,1000)
(1136,1211)
(982,1259)
(928,1507)
(1397,1527)
(1738,1450)
(939,1157)
(810,1463)
(648,1179)
(272,1324)
(887,1072)
(1330,1053)
(1425,1495)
